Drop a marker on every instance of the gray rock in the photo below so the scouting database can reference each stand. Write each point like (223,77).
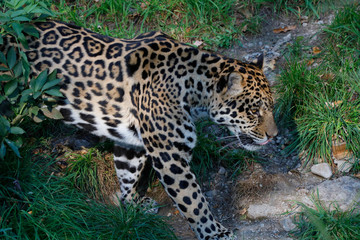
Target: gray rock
(322,170)
(262,211)
(343,165)
(287,224)
(344,191)
(222,171)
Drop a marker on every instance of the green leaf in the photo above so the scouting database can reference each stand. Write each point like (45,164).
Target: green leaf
(37,94)
(40,80)
(25,95)
(4,126)
(54,92)
(10,87)
(1,40)
(11,58)
(2,150)
(52,75)
(22,18)
(3,68)
(17,28)
(50,84)
(3,58)
(5,77)
(18,70)
(34,110)
(23,41)
(20,3)
(31,30)
(16,130)
(13,147)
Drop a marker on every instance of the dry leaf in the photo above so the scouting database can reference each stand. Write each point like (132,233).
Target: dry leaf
(327,76)
(244,28)
(284,29)
(242,211)
(310,62)
(144,5)
(357,175)
(333,104)
(198,43)
(30,212)
(316,50)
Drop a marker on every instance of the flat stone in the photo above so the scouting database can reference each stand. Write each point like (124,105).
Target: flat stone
(256,211)
(322,170)
(344,191)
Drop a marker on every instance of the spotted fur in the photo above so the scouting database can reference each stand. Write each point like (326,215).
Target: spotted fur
(140,93)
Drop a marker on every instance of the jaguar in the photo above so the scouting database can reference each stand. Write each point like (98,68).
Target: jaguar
(141,94)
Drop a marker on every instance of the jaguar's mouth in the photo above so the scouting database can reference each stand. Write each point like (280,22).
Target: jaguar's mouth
(244,141)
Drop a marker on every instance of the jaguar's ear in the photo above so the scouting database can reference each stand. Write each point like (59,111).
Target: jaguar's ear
(230,84)
(259,61)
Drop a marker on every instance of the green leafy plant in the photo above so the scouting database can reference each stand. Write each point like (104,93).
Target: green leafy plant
(20,95)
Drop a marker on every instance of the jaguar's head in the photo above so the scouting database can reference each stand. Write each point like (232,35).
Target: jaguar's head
(243,103)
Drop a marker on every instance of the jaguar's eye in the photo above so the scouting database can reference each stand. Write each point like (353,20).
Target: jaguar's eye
(255,111)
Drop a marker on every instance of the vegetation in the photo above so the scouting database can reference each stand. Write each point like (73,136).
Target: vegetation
(323,101)
(326,222)
(215,147)
(36,202)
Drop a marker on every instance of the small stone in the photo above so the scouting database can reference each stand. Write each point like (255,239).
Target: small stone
(287,224)
(222,171)
(322,170)
(304,24)
(343,165)
(211,193)
(320,22)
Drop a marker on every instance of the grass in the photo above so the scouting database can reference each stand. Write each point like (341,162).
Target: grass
(37,204)
(326,223)
(213,21)
(323,101)
(212,150)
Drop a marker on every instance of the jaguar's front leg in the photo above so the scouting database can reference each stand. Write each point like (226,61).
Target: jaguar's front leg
(180,184)
(170,152)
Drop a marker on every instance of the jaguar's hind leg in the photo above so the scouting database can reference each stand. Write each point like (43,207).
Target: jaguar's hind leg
(130,165)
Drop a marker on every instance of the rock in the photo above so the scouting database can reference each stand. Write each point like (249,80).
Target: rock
(211,193)
(287,224)
(343,165)
(222,171)
(322,170)
(262,211)
(345,191)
